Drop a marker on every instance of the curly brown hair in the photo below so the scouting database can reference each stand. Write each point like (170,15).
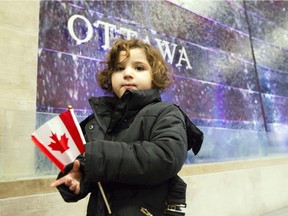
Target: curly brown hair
(161,73)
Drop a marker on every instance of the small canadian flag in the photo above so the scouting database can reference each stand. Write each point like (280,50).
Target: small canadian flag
(60,139)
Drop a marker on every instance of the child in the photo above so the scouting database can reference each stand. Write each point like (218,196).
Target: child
(136,144)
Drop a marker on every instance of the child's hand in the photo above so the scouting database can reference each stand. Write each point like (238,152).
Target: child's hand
(72,179)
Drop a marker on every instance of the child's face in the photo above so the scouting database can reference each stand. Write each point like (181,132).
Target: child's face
(132,73)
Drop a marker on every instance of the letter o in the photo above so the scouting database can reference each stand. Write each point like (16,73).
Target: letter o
(70,25)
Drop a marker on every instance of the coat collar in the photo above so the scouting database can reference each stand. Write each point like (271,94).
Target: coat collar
(111,111)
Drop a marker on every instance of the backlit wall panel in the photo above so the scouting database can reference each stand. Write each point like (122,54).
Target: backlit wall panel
(229,59)
(270,43)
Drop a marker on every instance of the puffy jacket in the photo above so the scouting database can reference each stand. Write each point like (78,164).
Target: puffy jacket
(135,147)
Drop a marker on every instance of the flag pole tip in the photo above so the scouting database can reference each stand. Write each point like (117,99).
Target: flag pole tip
(70,107)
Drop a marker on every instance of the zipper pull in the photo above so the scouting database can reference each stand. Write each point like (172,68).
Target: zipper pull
(145,212)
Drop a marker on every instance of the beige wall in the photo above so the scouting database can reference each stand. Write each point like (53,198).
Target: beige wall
(18,68)
(244,188)
(18,52)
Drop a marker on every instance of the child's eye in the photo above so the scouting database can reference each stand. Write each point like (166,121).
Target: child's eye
(139,67)
(119,68)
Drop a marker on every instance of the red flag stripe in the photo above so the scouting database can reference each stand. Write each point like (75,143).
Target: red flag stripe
(70,124)
(78,126)
(47,153)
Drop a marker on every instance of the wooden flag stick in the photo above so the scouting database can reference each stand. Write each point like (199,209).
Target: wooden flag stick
(104,197)
(100,185)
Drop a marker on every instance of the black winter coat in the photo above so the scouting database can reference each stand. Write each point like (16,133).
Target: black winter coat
(135,146)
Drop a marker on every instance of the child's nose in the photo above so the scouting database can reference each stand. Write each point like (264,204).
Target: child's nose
(128,72)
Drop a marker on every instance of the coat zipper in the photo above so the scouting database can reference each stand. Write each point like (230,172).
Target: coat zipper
(145,212)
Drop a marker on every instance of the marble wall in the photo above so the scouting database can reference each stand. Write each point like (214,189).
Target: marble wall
(18,63)
(228,58)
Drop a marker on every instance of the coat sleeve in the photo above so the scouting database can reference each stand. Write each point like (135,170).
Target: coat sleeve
(65,192)
(147,162)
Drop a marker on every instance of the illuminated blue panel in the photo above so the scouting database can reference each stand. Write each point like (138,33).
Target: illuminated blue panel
(64,80)
(272,13)
(276,109)
(217,105)
(273,82)
(232,83)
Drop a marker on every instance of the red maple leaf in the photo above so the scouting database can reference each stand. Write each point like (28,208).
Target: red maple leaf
(59,145)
